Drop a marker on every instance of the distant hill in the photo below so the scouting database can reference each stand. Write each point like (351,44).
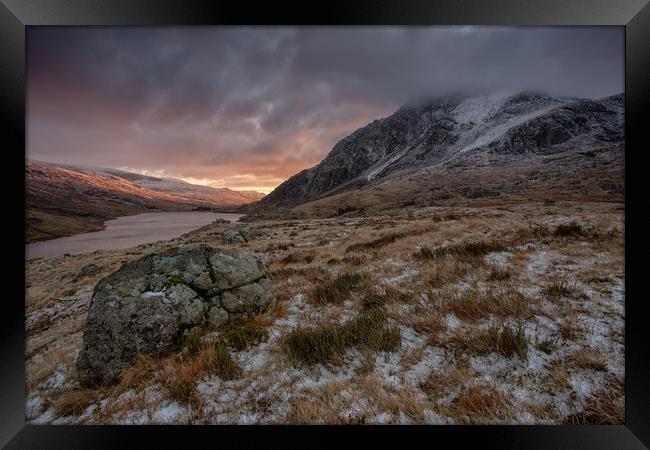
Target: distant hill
(62,199)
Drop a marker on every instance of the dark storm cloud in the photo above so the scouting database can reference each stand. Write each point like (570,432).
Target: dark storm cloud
(240,105)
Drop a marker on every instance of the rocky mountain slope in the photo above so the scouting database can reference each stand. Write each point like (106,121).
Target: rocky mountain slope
(444,141)
(63,200)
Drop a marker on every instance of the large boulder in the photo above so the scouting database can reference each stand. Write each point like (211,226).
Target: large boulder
(149,304)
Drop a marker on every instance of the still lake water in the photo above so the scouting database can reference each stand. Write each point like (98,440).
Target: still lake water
(125,232)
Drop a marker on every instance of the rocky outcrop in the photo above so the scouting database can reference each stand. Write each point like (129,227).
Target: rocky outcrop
(451,132)
(240,235)
(150,304)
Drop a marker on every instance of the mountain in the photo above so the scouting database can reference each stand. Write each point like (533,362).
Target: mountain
(63,199)
(188,192)
(469,148)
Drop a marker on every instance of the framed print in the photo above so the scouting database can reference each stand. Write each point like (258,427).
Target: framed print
(258,223)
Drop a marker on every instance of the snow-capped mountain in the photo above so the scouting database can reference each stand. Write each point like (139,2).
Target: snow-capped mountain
(188,191)
(446,133)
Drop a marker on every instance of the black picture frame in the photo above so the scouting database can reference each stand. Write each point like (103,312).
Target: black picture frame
(16,15)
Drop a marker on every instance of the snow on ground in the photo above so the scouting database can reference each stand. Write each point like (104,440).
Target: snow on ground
(270,385)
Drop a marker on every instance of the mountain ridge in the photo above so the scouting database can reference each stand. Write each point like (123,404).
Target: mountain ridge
(445,132)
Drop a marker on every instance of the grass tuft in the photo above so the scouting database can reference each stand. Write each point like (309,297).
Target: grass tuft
(179,376)
(509,341)
(473,305)
(559,289)
(136,376)
(548,346)
(337,290)
(480,404)
(497,273)
(376,243)
(326,344)
(505,340)
(572,229)
(74,403)
(243,332)
(298,257)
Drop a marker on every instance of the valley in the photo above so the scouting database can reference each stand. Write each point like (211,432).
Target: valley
(65,200)
(458,262)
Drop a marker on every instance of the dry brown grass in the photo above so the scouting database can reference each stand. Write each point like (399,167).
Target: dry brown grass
(480,404)
(447,271)
(179,376)
(589,359)
(304,257)
(436,385)
(427,322)
(241,333)
(321,407)
(558,377)
(572,229)
(504,340)
(465,250)
(570,329)
(560,289)
(386,398)
(61,354)
(313,274)
(474,305)
(316,253)
(413,356)
(337,290)
(137,376)
(376,243)
(604,407)
(390,238)
(75,402)
(368,331)
(391,295)
(498,273)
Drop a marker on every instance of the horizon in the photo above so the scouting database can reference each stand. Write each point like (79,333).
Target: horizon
(245,109)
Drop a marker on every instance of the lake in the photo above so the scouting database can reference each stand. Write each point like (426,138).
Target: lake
(125,232)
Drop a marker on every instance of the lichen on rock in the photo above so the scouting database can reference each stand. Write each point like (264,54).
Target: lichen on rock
(149,303)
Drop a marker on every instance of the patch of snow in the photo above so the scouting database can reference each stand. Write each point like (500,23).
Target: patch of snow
(170,413)
(56,380)
(419,372)
(33,406)
(88,412)
(254,359)
(396,279)
(150,294)
(538,263)
(384,163)
(152,394)
(137,418)
(497,258)
(382,418)
(44,418)
(451,321)
(477,109)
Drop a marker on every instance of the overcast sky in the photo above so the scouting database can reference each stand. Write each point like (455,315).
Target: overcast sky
(248,107)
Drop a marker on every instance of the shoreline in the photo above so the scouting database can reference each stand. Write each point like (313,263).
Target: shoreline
(126,231)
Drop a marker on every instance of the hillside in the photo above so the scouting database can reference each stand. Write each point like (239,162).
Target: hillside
(455,150)
(62,200)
